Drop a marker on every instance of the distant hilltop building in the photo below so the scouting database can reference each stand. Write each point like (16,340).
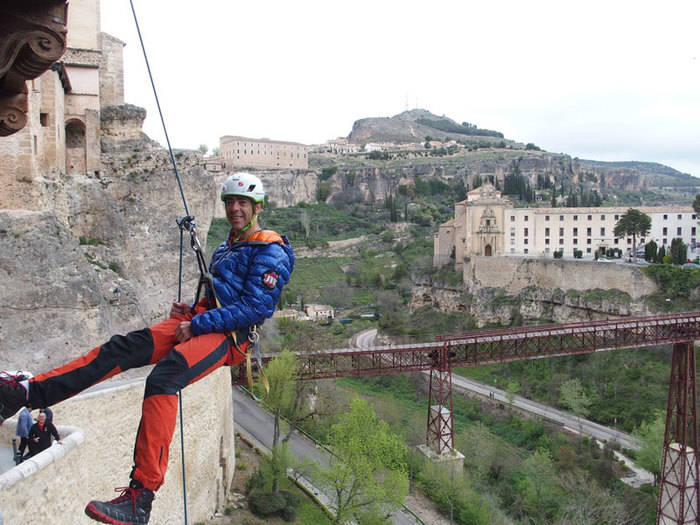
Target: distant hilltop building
(246,152)
(486,223)
(341,145)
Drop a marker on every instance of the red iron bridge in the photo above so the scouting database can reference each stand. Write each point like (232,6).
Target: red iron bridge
(679,491)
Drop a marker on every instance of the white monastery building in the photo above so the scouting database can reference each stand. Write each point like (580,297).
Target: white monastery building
(487,224)
(262,153)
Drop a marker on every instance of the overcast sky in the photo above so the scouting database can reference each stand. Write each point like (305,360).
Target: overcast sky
(603,80)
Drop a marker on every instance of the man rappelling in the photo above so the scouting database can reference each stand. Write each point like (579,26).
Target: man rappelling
(247,273)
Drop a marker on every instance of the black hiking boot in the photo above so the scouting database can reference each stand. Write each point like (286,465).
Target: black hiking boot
(133,506)
(13,395)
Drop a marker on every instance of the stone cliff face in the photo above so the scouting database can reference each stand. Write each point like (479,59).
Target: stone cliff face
(499,289)
(359,178)
(101,256)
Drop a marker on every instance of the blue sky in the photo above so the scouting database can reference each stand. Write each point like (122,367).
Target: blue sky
(605,80)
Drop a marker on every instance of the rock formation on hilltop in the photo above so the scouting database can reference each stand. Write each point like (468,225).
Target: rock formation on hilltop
(417,124)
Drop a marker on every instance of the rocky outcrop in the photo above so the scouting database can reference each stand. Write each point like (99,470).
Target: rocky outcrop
(497,290)
(101,257)
(414,126)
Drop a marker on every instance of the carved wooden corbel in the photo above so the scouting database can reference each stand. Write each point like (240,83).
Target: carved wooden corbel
(33,38)
(13,113)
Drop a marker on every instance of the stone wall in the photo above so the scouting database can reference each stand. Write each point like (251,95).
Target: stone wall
(111,70)
(59,492)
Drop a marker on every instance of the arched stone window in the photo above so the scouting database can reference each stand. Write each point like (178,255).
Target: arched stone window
(75,147)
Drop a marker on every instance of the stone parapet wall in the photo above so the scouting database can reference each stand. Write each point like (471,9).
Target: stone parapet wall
(108,420)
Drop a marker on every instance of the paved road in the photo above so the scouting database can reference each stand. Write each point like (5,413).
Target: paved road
(366,338)
(588,428)
(252,420)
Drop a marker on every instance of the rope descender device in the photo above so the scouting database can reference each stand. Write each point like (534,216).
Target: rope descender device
(206,282)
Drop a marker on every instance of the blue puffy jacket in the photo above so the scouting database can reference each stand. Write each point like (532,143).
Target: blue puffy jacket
(248,279)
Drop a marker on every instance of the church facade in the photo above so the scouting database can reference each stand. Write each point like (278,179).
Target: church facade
(488,224)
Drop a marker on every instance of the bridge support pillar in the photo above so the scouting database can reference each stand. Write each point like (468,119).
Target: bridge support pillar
(439,435)
(679,490)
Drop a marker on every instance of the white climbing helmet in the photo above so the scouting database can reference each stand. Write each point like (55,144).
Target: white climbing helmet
(243,184)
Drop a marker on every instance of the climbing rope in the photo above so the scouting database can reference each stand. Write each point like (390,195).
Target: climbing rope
(186,223)
(187,214)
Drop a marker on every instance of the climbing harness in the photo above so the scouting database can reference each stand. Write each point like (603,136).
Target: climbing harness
(206,285)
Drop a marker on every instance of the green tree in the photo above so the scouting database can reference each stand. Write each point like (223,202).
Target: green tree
(633,222)
(696,204)
(660,255)
(573,397)
(651,434)
(367,474)
(203,148)
(650,250)
(286,398)
(538,486)
(679,251)
(512,389)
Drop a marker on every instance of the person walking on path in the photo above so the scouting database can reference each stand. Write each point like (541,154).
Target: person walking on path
(24,423)
(248,271)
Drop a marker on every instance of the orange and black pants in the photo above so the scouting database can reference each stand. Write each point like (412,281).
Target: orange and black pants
(177,365)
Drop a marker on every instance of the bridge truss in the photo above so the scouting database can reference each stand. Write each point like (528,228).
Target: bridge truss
(679,493)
